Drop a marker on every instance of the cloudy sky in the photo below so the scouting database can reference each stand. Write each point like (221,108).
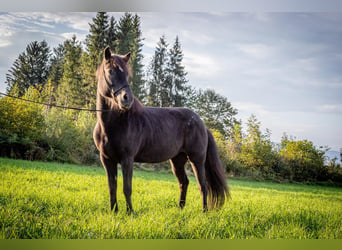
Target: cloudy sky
(286,68)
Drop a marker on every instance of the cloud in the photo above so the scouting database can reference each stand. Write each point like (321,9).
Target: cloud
(329,108)
(73,20)
(201,65)
(256,50)
(252,108)
(68,35)
(6,31)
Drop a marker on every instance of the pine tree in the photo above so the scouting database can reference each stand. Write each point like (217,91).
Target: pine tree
(138,81)
(97,39)
(100,35)
(130,40)
(125,35)
(158,85)
(56,70)
(71,90)
(177,75)
(55,74)
(30,68)
(111,35)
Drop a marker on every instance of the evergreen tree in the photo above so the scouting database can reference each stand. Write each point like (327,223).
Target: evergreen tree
(138,81)
(56,69)
(111,36)
(100,35)
(55,74)
(71,90)
(30,68)
(97,39)
(177,75)
(130,40)
(125,35)
(159,89)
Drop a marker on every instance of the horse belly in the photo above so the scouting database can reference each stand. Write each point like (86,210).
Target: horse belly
(158,153)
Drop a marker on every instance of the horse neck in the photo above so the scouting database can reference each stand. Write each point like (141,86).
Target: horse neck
(106,104)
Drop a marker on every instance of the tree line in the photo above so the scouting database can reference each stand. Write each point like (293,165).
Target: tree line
(65,75)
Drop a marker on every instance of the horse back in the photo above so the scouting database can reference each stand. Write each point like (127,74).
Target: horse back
(167,132)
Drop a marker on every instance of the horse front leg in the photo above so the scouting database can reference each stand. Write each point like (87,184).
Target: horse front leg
(127,173)
(112,172)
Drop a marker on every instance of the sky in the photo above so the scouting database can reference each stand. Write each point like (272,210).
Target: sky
(283,67)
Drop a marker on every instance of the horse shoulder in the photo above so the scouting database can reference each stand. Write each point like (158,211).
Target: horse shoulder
(97,134)
(100,138)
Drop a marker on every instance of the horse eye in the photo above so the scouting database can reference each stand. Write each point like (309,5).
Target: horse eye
(110,71)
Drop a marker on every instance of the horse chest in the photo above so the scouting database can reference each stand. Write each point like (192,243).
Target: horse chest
(116,143)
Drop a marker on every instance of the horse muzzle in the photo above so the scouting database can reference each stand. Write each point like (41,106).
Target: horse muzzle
(124,98)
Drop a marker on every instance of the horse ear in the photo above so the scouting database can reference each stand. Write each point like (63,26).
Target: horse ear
(107,53)
(127,57)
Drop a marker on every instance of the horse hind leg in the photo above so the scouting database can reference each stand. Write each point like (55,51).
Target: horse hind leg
(177,165)
(199,169)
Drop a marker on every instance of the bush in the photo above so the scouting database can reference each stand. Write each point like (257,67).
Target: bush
(305,161)
(69,136)
(21,127)
(33,132)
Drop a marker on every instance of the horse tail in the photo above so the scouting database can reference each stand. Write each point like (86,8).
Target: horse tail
(218,190)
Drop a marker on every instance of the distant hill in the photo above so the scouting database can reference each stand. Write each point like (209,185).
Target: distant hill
(331,154)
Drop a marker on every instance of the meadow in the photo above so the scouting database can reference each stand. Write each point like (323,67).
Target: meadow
(61,201)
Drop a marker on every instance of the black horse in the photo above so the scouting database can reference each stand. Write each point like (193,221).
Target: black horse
(128,132)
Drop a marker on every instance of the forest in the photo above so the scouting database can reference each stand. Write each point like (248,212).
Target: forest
(65,76)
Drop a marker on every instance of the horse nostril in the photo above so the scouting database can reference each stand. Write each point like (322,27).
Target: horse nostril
(125,97)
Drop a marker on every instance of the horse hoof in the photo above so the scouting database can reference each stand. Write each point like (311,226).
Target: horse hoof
(130,211)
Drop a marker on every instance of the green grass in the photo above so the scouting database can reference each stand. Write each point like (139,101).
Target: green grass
(49,200)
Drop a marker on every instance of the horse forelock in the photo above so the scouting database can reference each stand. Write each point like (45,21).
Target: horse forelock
(117,61)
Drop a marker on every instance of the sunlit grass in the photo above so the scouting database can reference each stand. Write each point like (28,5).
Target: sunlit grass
(47,200)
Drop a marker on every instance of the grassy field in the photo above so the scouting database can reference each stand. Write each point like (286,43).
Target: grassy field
(48,200)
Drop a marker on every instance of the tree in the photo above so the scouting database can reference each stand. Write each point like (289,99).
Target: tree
(235,142)
(100,35)
(97,39)
(257,150)
(111,35)
(216,111)
(71,90)
(125,34)
(56,69)
(177,75)
(30,68)
(138,81)
(159,87)
(55,72)
(130,40)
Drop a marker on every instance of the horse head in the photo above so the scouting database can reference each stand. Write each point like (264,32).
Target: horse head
(113,75)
